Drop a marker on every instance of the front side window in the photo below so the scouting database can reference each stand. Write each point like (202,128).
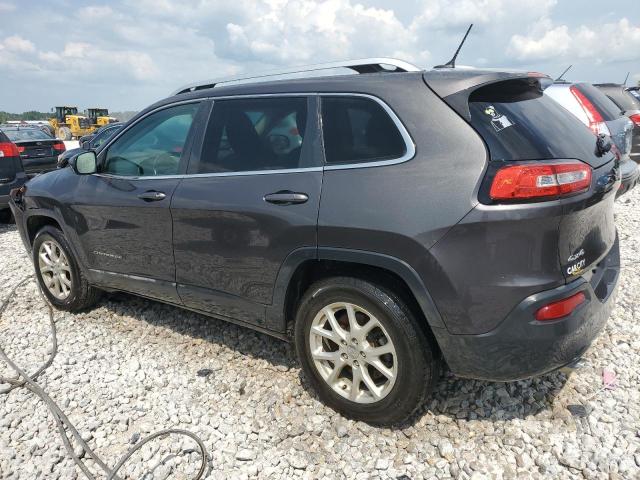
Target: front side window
(153,146)
(254,134)
(357,130)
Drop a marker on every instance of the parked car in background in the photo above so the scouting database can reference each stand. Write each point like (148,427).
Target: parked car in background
(38,150)
(91,142)
(629,105)
(593,108)
(635,91)
(103,133)
(11,174)
(465,216)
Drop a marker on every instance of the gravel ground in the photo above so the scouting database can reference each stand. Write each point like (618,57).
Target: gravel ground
(131,367)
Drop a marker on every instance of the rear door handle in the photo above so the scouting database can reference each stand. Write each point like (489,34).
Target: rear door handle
(152,196)
(286,198)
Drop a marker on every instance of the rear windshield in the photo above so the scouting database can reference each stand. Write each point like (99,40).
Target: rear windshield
(26,135)
(608,109)
(518,122)
(623,99)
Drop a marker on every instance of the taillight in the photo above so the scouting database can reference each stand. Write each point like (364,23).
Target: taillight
(596,122)
(561,308)
(21,149)
(529,182)
(635,118)
(59,147)
(9,149)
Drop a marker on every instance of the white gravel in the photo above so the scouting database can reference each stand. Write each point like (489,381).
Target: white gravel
(131,367)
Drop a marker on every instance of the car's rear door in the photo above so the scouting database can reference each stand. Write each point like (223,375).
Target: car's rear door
(249,200)
(122,213)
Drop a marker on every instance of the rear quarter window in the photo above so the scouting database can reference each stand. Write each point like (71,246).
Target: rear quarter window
(359,130)
(518,122)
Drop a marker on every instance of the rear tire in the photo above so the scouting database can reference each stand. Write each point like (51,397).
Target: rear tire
(376,345)
(59,274)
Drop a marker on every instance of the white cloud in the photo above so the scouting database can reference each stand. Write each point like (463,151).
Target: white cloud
(609,42)
(16,43)
(295,31)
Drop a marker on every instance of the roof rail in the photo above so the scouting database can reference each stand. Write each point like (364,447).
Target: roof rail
(363,65)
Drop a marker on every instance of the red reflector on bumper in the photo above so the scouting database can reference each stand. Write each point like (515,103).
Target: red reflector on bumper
(561,308)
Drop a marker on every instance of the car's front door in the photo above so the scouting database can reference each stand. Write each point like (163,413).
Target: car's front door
(250,198)
(123,216)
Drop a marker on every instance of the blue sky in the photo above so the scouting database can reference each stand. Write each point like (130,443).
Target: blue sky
(127,54)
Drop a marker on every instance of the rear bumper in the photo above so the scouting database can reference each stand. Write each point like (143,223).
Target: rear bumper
(521,347)
(630,176)
(40,165)
(5,188)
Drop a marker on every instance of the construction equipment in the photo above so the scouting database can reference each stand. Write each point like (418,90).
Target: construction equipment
(99,117)
(67,124)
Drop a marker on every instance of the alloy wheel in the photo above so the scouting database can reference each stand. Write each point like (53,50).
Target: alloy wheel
(353,352)
(54,269)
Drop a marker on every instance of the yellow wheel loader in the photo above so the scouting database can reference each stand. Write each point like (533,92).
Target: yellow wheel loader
(99,117)
(67,124)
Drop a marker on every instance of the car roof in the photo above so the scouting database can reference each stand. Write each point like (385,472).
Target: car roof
(456,79)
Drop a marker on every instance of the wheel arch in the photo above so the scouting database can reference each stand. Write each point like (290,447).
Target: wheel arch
(308,265)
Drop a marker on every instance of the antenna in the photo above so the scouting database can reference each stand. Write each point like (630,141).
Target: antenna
(625,79)
(562,74)
(452,63)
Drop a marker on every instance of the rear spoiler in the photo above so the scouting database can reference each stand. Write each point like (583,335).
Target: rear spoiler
(455,86)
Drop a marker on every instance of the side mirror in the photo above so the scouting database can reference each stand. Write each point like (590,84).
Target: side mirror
(85,163)
(86,145)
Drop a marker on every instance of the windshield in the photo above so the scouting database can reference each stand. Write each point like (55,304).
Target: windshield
(28,134)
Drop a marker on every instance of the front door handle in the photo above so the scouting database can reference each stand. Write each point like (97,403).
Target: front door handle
(286,198)
(152,196)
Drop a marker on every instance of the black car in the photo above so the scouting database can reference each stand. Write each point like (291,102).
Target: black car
(100,133)
(629,105)
(11,174)
(91,142)
(38,150)
(419,217)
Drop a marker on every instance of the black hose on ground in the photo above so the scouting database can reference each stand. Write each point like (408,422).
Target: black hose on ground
(64,425)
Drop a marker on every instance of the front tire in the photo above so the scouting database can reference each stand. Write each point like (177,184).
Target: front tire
(58,273)
(64,133)
(363,351)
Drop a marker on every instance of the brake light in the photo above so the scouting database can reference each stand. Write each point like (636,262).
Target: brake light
(8,149)
(59,147)
(635,118)
(538,181)
(561,308)
(21,149)
(596,122)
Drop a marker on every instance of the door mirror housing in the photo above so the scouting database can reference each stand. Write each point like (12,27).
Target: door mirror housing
(85,163)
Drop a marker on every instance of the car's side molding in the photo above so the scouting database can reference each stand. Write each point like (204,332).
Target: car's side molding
(276,315)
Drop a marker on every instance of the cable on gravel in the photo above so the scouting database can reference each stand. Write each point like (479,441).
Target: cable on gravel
(64,425)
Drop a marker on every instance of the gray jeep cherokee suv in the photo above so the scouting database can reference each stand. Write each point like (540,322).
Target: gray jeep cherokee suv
(384,222)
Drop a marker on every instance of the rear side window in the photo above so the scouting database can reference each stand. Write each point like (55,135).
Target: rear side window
(518,122)
(608,109)
(357,130)
(254,134)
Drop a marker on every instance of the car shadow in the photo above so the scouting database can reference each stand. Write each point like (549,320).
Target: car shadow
(455,398)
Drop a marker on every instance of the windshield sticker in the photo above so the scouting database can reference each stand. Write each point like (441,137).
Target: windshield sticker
(498,120)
